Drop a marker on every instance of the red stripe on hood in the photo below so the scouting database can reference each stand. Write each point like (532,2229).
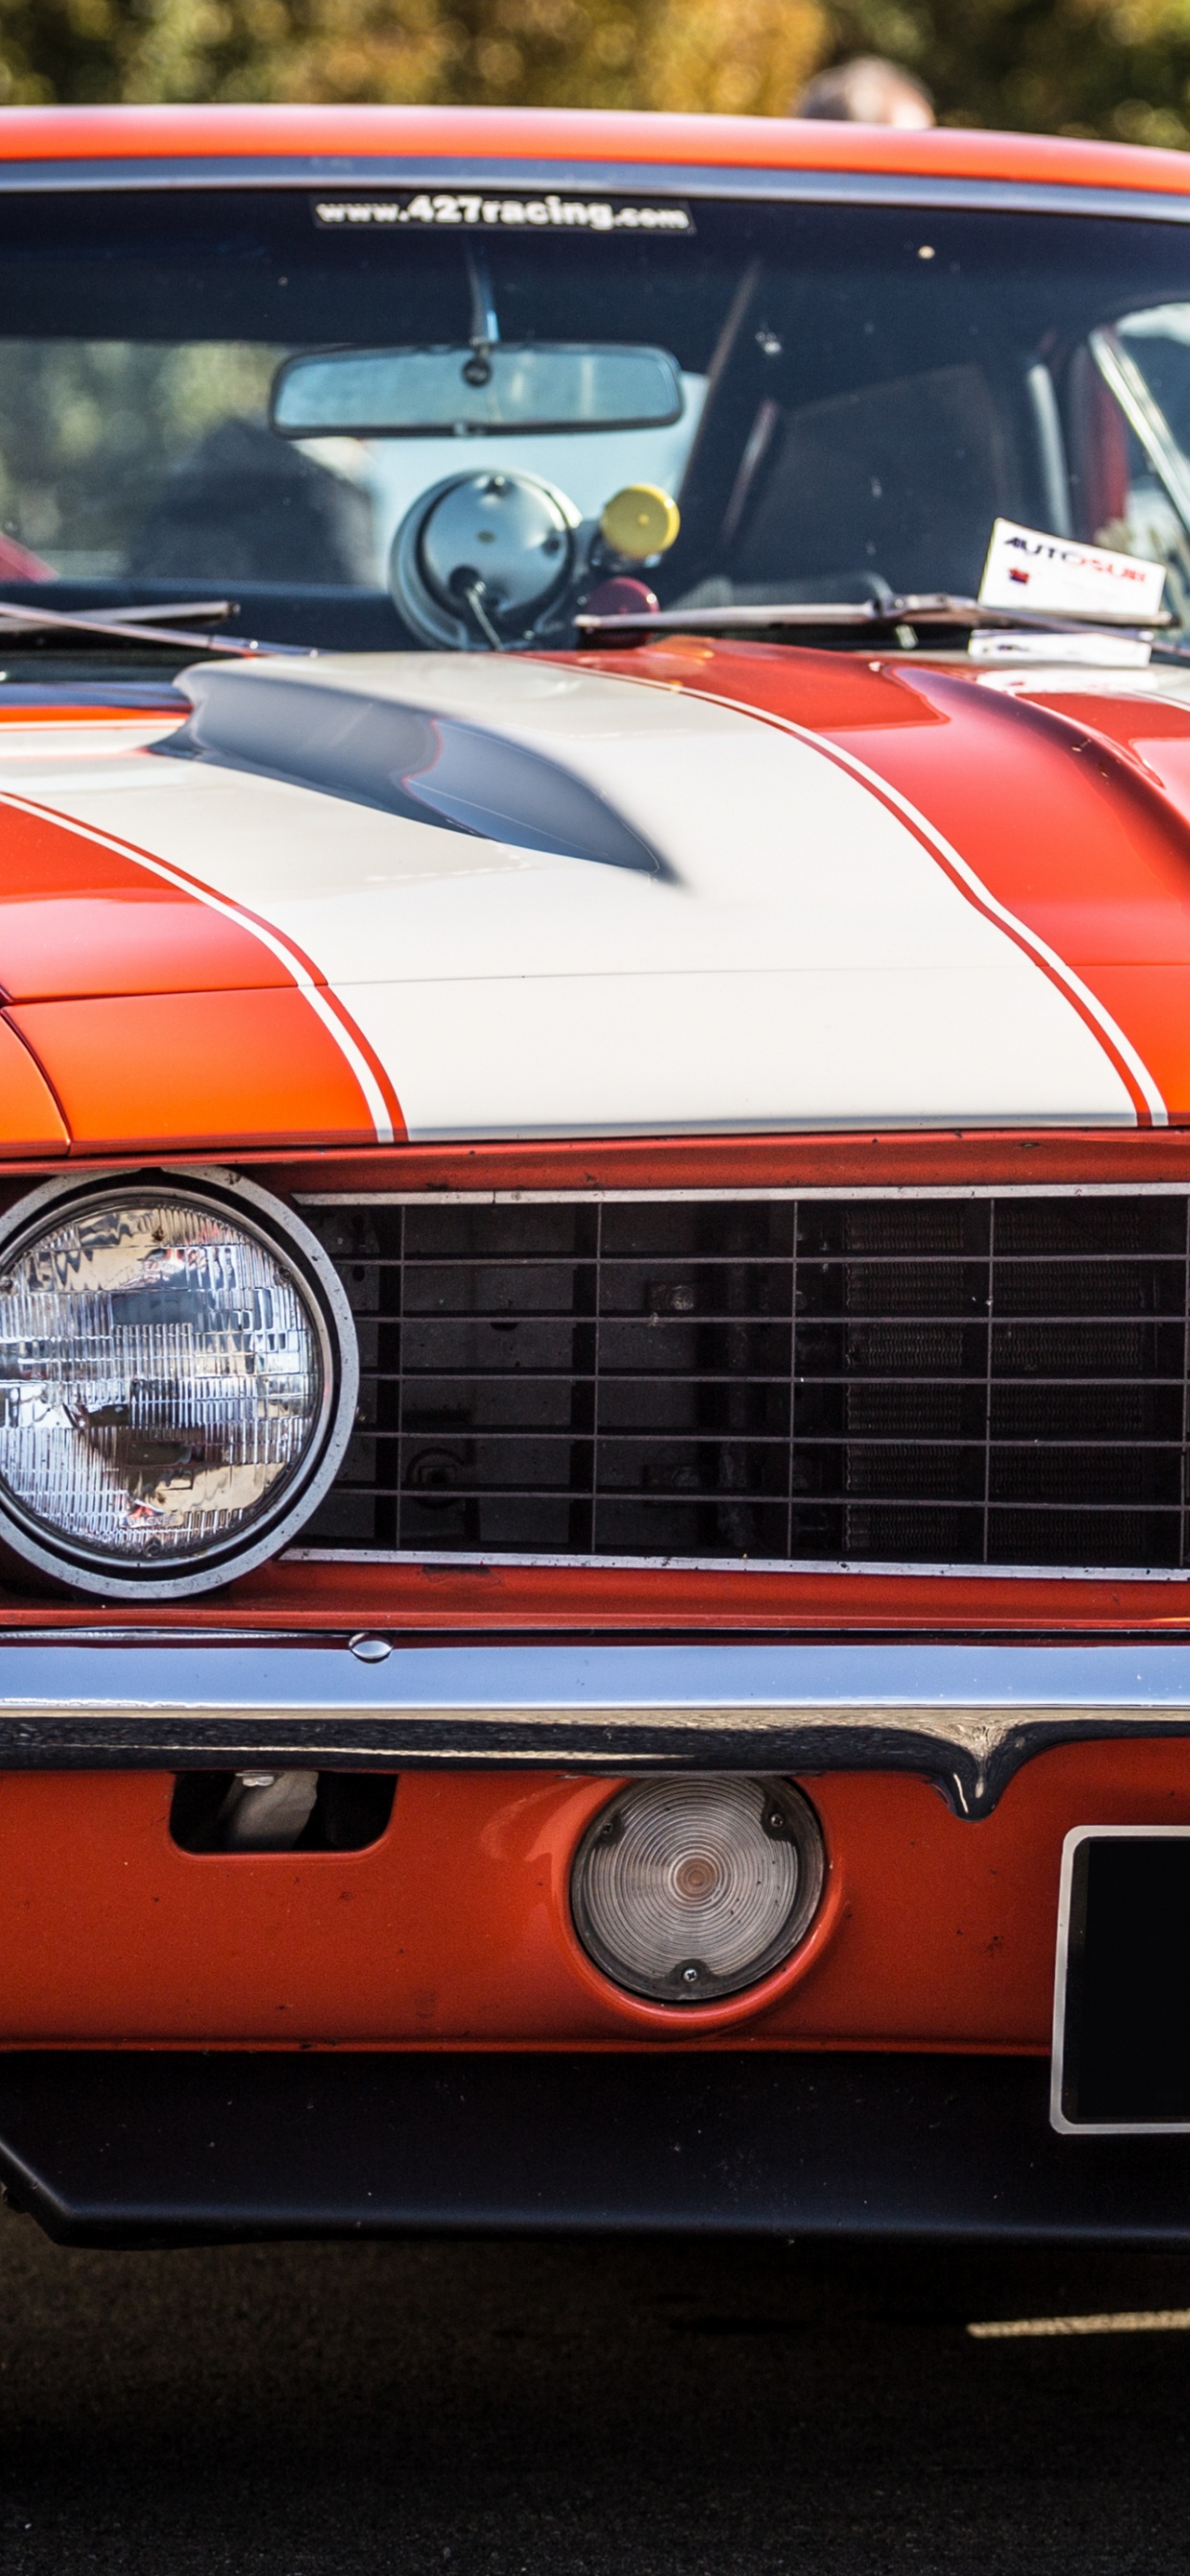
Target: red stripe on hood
(1076,839)
(1063,830)
(80,916)
(164,1017)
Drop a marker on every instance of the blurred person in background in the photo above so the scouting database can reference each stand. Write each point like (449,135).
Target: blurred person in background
(866,91)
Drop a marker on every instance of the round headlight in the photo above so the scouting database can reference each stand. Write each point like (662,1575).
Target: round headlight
(687,1889)
(178,1380)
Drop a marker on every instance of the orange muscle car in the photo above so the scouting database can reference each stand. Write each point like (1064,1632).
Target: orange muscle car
(595,1165)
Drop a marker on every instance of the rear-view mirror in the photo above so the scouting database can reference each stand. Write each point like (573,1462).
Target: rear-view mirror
(416,393)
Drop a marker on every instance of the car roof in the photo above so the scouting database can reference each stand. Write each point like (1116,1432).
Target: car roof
(390,142)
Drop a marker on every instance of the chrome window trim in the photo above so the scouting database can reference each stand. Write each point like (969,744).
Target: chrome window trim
(614,178)
(964,1715)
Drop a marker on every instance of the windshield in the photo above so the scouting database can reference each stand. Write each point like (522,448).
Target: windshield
(380,422)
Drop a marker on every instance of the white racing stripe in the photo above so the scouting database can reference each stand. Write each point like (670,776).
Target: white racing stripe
(1064,974)
(810,965)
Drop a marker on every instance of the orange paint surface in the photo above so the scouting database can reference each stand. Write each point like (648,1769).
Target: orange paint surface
(454,1928)
(78,917)
(30,1120)
(55,711)
(167,1072)
(292,1596)
(681,1600)
(907,1159)
(576,135)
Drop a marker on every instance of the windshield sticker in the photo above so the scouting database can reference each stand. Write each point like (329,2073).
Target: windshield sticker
(448,209)
(1026,568)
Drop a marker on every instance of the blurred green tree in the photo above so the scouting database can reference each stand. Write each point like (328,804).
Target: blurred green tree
(1112,67)
(59,49)
(745,56)
(1119,68)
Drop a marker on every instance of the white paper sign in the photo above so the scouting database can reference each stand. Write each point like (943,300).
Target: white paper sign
(1110,652)
(1028,569)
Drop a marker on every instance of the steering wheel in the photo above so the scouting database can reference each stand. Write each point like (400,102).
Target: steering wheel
(483,558)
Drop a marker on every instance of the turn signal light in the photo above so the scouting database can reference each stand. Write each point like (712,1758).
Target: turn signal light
(688,1889)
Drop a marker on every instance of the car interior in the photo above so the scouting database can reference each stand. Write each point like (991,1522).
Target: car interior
(856,405)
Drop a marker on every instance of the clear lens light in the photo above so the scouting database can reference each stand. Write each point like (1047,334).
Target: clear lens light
(161,1379)
(691,1888)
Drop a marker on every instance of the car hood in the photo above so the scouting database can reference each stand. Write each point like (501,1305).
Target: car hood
(693,888)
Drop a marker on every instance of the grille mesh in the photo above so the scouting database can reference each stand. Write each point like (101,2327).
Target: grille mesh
(947,1381)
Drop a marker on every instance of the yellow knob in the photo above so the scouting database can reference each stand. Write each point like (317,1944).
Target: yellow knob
(641,520)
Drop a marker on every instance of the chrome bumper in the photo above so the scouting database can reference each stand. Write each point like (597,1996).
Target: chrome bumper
(965,1715)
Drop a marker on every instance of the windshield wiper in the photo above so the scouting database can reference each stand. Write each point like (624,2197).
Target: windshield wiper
(139,624)
(901,618)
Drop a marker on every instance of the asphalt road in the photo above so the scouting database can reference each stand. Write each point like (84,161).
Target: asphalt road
(593,2409)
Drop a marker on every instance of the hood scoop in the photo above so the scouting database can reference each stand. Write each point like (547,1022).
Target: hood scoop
(426,767)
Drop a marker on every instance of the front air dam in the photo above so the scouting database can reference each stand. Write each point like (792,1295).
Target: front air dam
(152,2148)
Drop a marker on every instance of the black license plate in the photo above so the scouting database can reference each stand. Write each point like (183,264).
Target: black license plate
(1122,2002)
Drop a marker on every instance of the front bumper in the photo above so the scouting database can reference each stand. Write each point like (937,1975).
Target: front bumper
(453,1929)
(966,1716)
(108,2149)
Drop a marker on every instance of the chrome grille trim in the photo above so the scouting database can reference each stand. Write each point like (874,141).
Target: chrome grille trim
(431,1196)
(857,1569)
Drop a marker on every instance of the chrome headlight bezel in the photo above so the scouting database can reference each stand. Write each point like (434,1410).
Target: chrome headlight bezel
(256,1213)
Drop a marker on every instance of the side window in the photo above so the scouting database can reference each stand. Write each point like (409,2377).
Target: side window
(156,460)
(1129,410)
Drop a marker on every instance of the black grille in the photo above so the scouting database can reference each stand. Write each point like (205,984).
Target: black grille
(947,1381)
